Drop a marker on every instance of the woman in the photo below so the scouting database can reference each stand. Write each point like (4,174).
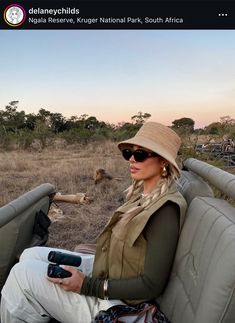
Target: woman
(134,253)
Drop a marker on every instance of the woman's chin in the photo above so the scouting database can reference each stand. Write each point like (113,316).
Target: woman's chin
(136,177)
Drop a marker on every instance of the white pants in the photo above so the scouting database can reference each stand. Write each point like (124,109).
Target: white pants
(28,296)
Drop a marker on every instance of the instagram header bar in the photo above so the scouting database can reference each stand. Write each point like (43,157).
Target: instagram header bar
(117,15)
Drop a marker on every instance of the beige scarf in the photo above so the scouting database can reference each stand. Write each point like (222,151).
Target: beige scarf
(126,217)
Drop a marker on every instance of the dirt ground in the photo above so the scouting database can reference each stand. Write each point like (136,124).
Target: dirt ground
(82,223)
(70,170)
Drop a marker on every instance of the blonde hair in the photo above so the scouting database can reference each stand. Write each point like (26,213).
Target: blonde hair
(161,188)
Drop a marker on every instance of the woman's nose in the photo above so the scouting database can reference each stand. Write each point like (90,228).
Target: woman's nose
(132,159)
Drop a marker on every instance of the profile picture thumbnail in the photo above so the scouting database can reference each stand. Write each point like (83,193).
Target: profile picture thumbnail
(14,15)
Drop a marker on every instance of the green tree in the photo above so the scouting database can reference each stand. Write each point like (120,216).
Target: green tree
(227,121)
(57,122)
(213,128)
(140,118)
(42,133)
(125,130)
(227,125)
(185,125)
(13,120)
(30,121)
(44,116)
(91,123)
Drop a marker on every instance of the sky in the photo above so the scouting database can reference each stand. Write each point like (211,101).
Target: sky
(114,74)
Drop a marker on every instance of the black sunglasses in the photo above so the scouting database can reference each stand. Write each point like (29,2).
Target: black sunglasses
(140,155)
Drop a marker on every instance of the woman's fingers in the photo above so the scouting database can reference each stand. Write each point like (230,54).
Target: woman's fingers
(73,283)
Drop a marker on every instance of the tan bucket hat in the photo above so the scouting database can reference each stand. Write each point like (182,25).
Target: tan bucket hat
(159,138)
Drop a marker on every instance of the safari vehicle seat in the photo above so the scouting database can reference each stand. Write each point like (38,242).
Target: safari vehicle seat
(201,285)
(201,288)
(18,228)
(191,185)
(202,281)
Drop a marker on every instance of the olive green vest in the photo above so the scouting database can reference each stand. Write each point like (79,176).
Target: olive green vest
(120,252)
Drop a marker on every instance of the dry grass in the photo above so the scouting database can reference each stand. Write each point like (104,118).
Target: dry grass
(70,170)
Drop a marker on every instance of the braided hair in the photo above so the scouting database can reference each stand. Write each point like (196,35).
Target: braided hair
(161,188)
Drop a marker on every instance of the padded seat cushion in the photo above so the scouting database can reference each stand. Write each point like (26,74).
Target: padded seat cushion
(191,185)
(17,221)
(201,286)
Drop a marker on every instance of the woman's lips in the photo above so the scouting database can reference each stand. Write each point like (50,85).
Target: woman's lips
(133,169)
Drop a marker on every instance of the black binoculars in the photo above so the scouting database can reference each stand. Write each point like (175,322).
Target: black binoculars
(61,258)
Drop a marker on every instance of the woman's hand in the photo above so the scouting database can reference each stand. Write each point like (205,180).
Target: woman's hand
(70,284)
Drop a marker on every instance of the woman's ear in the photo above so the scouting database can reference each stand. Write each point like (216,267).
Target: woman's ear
(163,163)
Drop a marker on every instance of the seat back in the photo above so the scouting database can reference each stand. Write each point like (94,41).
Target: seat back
(202,282)
(191,185)
(201,288)
(17,221)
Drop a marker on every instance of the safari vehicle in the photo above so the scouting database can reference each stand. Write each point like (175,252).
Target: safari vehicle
(199,147)
(210,148)
(23,223)
(201,287)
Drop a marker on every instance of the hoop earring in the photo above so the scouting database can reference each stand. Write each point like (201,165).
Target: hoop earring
(164,172)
